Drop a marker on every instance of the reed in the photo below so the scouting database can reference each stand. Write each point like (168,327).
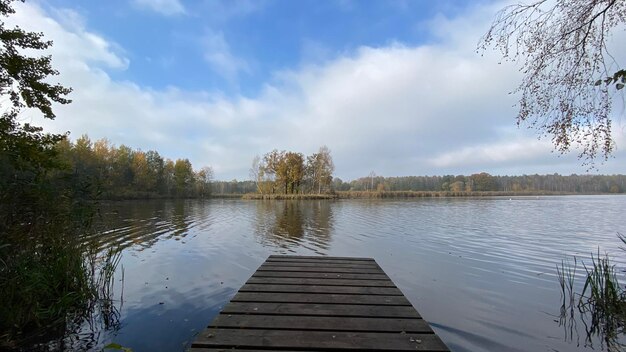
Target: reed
(435,194)
(566,274)
(49,291)
(278,196)
(50,279)
(601,301)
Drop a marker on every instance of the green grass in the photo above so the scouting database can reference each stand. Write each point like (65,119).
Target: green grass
(50,282)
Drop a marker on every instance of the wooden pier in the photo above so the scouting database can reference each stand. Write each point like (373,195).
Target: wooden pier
(301,303)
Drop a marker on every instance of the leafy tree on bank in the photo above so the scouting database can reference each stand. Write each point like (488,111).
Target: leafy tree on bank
(320,168)
(183,176)
(569,74)
(293,167)
(126,173)
(44,208)
(286,172)
(26,152)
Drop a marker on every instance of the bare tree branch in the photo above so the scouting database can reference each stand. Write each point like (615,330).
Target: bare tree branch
(569,75)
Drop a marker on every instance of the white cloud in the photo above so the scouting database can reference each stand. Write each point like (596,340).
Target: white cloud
(398,110)
(164,7)
(219,56)
(521,150)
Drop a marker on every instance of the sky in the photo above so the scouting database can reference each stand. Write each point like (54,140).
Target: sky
(394,87)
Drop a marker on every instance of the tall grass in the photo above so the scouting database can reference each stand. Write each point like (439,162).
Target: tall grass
(50,280)
(51,289)
(601,303)
(566,274)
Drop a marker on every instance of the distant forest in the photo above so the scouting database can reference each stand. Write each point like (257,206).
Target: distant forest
(126,173)
(481,182)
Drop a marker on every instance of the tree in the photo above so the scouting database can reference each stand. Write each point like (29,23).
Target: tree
(293,166)
(280,169)
(256,172)
(156,169)
(371,177)
(457,186)
(168,176)
(203,181)
(483,182)
(122,173)
(569,74)
(26,152)
(143,179)
(272,167)
(183,176)
(24,80)
(320,168)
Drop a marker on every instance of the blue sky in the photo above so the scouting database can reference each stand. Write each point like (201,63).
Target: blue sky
(264,36)
(391,86)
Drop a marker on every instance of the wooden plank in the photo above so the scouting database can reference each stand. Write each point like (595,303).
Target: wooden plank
(330,261)
(352,290)
(320,258)
(326,282)
(320,323)
(321,275)
(321,270)
(302,309)
(329,298)
(285,339)
(307,303)
(324,265)
(230,349)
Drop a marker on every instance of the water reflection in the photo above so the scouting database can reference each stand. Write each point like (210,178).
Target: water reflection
(82,330)
(143,224)
(477,269)
(589,325)
(601,314)
(289,224)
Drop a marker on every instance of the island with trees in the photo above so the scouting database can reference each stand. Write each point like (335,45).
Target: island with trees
(290,175)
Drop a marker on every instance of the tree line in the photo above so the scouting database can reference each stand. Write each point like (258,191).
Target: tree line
(483,181)
(122,172)
(289,172)
(479,182)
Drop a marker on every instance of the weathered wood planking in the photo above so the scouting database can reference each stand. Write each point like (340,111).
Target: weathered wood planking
(307,303)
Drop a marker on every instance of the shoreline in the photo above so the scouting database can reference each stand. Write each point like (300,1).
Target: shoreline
(409,194)
(366,195)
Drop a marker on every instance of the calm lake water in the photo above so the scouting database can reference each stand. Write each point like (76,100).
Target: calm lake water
(481,271)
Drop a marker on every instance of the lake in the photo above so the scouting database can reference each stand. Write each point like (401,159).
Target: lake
(481,271)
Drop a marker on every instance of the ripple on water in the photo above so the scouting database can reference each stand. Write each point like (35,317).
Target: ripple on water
(482,271)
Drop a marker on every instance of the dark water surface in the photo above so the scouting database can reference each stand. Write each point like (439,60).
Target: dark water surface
(481,271)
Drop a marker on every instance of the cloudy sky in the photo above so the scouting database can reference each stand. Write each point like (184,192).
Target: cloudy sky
(390,86)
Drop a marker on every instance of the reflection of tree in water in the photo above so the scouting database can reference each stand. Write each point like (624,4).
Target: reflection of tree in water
(289,224)
(144,223)
(320,223)
(179,220)
(290,221)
